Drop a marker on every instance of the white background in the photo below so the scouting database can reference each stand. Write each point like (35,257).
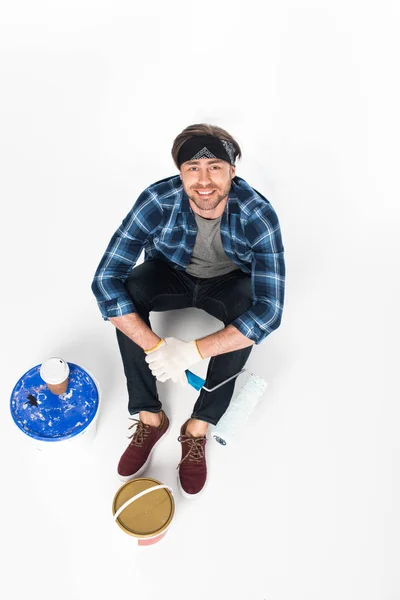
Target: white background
(305,504)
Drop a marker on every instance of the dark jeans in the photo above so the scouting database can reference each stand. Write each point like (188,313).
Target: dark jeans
(156,286)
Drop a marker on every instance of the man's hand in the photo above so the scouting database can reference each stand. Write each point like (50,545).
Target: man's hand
(172,358)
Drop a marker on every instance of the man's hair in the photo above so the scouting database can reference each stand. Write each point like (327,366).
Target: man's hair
(202,129)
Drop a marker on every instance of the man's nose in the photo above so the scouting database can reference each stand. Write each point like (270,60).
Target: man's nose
(204,178)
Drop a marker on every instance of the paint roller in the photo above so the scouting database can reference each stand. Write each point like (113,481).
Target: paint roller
(240,407)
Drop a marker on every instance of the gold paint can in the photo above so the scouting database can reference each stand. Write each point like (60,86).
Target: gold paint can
(144,508)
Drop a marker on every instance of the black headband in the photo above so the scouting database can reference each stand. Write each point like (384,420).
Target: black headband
(206,146)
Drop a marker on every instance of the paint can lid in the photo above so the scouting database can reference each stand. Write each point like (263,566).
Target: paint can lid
(147,516)
(47,417)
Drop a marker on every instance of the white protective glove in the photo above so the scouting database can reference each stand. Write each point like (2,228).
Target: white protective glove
(172,358)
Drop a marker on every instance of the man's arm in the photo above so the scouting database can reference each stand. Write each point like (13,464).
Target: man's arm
(268,276)
(268,279)
(220,342)
(133,326)
(122,254)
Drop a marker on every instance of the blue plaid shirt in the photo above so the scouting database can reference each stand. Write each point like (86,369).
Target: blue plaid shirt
(162,222)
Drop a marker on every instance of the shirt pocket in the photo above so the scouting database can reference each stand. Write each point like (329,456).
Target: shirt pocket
(176,235)
(172,237)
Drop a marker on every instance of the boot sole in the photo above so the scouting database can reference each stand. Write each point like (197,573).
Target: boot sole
(146,464)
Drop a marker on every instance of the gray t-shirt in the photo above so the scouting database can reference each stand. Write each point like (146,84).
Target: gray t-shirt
(209,258)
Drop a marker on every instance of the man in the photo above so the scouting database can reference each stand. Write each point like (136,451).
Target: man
(210,241)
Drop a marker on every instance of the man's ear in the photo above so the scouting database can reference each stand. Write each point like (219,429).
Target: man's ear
(233,172)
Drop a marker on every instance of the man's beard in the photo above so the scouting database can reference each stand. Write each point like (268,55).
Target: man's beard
(207,204)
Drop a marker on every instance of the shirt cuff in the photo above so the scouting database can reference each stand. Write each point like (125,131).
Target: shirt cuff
(116,308)
(249,331)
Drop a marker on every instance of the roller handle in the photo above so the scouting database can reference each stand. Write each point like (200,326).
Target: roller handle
(198,383)
(194,380)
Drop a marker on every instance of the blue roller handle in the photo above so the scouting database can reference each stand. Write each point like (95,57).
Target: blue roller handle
(194,380)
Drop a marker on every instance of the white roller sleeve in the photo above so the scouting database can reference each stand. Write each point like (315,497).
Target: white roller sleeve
(240,407)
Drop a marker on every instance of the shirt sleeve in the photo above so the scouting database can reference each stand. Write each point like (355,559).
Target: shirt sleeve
(122,254)
(267,276)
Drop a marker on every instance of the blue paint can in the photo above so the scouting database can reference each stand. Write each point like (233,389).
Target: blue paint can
(46,417)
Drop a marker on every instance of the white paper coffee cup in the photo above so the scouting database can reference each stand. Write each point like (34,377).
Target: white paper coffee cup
(55,372)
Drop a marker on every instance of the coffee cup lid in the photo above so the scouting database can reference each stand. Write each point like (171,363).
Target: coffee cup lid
(54,370)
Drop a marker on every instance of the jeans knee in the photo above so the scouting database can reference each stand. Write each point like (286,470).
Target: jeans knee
(136,289)
(237,307)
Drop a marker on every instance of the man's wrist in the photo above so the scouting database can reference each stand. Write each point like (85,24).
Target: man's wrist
(159,343)
(133,326)
(198,349)
(226,340)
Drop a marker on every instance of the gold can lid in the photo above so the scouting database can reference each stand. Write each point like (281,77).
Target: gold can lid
(147,516)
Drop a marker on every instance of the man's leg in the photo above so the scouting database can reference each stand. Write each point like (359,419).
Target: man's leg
(225,298)
(152,285)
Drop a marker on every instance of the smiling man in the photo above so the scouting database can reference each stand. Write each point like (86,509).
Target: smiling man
(208,193)
(210,241)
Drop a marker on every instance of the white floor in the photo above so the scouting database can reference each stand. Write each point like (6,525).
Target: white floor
(305,496)
(305,504)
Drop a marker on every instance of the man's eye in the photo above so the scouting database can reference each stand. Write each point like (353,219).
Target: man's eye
(212,166)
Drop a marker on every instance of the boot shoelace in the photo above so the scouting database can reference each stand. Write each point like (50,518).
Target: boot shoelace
(196,448)
(140,433)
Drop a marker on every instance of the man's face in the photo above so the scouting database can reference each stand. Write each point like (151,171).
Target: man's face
(207,175)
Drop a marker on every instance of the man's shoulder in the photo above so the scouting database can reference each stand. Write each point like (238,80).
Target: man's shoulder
(165,187)
(249,199)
